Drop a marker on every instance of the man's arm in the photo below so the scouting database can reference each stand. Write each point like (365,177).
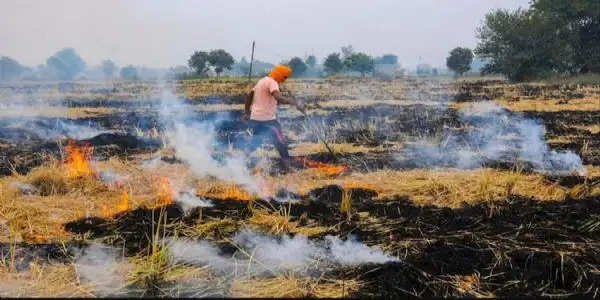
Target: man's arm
(248,104)
(288,100)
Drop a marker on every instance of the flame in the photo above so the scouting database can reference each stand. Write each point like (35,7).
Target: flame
(327,169)
(106,212)
(350,184)
(164,191)
(123,204)
(233,191)
(78,159)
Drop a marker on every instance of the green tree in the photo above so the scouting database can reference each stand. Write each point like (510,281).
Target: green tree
(108,68)
(579,21)
(360,62)
(311,61)
(220,60)
(333,64)
(129,72)
(199,62)
(387,59)
(10,68)
(460,60)
(347,51)
(522,45)
(298,66)
(66,63)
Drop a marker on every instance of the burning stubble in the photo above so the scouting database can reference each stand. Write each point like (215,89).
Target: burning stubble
(493,134)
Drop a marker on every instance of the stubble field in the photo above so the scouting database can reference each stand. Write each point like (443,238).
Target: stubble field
(432,187)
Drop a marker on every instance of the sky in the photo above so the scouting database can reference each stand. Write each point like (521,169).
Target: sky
(164,33)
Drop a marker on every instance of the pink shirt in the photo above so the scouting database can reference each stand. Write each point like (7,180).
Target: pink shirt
(264,104)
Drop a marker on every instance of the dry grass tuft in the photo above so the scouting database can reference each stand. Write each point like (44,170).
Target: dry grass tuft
(210,228)
(292,287)
(42,280)
(279,287)
(452,187)
(277,222)
(49,180)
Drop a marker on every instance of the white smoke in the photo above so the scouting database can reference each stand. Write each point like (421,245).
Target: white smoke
(496,135)
(101,267)
(194,143)
(262,254)
(25,188)
(112,178)
(188,201)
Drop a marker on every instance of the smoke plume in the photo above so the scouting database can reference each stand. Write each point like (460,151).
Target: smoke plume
(99,266)
(194,143)
(493,134)
(263,254)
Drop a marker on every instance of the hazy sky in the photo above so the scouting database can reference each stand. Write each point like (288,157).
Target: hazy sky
(163,33)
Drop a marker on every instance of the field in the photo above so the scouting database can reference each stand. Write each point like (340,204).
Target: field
(408,187)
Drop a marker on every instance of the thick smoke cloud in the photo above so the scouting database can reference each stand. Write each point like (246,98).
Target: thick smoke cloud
(195,143)
(263,254)
(494,134)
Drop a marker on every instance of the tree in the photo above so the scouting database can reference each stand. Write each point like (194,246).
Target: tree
(579,21)
(220,60)
(387,59)
(522,45)
(66,63)
(298,66)
(333,64)
(311,61)
(360,62)
(199,62)
(129,72)
(347,51)
(108,68)
(460,60)
(10,68)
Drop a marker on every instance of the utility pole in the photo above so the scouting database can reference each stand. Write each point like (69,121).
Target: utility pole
(251,62)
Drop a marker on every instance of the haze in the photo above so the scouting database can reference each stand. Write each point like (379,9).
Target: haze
(157,33)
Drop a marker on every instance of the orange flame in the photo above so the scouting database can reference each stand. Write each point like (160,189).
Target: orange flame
(164,191)
(233,191)
(106,213)
(350,184)
(327,169)
(123,204)
(78,159)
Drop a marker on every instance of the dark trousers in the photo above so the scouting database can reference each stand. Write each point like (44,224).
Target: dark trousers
(271,131)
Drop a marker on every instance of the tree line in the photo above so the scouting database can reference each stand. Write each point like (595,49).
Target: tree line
(201,62)
(550,38)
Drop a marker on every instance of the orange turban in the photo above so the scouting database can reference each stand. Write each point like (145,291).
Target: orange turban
(280,73)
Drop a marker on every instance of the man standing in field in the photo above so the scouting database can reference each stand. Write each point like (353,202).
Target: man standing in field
(261,105)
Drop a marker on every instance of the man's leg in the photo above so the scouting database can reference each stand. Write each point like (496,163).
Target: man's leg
(256,139)
(279,142)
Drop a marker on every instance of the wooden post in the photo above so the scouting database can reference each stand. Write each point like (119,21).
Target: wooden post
(251,61)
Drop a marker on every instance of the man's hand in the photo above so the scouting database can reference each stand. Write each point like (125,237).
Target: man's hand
(245,117)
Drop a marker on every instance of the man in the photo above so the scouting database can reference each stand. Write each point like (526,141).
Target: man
(261,105)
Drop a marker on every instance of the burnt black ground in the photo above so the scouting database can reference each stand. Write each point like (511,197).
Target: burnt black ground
(516,246)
